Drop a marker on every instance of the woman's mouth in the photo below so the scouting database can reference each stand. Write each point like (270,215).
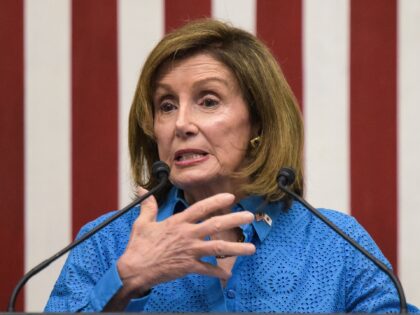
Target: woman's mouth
(186,157)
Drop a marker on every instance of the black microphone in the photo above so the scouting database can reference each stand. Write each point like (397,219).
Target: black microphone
(286,177)
(160,170)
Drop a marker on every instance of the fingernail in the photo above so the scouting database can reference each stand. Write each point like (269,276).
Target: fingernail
(229,196)
(251,247)
(228,275)
(250,214)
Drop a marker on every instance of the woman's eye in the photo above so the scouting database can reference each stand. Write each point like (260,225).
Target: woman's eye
(167,107)
(210,102)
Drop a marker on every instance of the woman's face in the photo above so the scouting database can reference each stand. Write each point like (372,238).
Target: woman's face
(201,123)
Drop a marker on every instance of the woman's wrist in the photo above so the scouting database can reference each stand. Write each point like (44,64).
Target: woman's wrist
(133,286)
(122,298)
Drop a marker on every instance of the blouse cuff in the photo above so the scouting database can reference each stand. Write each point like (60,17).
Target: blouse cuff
(137,305)
(106,288)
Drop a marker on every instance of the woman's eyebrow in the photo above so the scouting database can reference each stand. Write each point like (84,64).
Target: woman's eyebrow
(164,88)
(211,79)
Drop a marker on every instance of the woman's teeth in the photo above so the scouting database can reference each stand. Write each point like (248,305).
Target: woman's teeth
(190,156)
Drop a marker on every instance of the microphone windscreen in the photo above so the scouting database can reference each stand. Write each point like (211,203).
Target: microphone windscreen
(286,176)
(160,169)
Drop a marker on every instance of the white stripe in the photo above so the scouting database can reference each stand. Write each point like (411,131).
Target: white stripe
(141,26)
(47,141)
(241,13)
(408,143)
(326,105)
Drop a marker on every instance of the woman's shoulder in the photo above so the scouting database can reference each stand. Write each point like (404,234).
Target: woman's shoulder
(338,218)
(348,224)
(119,228)
(345,222)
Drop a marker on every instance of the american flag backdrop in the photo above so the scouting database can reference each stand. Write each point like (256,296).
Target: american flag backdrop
(68,71)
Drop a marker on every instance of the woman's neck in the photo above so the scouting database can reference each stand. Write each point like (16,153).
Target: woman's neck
(196,193)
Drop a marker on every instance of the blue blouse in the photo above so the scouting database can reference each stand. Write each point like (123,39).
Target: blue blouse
(300,265)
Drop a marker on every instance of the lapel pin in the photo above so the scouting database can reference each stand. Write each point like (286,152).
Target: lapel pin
(261,216)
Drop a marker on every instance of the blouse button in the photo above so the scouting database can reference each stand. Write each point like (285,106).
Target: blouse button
(231,294)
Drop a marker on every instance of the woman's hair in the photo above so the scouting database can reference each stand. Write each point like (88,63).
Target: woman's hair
(272,106)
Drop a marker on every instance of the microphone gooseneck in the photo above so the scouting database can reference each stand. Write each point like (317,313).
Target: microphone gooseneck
(285,178)
(160,170)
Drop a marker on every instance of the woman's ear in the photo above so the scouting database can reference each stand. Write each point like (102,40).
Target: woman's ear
(256,130)
(255,142)
(255,137)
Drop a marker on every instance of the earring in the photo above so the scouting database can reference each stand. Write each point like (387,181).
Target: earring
(255,142)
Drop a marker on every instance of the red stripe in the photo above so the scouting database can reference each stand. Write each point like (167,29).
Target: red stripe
(279,25)
(11,148)
(95,109)
(374,120)
(178,12)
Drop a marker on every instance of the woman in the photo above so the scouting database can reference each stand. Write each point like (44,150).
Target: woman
(213,104)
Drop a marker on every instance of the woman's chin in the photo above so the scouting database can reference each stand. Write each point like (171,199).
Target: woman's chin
(192,182)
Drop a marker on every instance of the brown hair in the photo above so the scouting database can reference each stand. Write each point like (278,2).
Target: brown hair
(271,103)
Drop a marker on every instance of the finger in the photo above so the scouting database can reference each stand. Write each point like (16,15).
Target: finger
(149,207)
(207,269)
(203,208)
(222,223)
(224,248)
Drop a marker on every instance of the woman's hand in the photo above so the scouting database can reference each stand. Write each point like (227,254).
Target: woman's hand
(162,251)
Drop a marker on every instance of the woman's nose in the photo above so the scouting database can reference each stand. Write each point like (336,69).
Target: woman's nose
(185,125)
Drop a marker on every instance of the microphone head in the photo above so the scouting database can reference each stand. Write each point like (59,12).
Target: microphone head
(160,170)
(286,177)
